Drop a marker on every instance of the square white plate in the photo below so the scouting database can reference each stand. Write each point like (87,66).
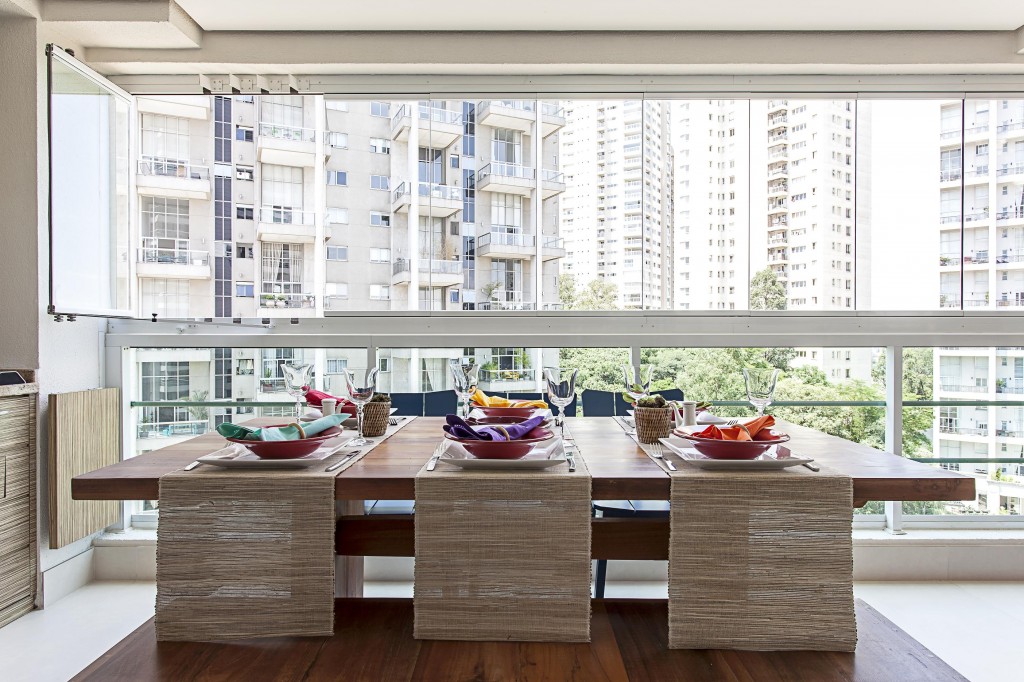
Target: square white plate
(538,458)
(767,461)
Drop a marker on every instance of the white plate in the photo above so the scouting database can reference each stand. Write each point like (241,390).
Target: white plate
(769,460)
(238,457)
(527,462)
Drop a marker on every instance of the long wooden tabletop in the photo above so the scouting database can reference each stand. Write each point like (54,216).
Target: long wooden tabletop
(620,469)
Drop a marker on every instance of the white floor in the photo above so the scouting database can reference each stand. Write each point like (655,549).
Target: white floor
(975,627)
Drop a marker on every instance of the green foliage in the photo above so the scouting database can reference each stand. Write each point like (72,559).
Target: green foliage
(199,413)
(766,291)
(597,295)
(381,398)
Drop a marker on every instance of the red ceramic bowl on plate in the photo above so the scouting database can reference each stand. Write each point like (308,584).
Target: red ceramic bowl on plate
(735,449)
(503,449)
(287,449)
(526,412)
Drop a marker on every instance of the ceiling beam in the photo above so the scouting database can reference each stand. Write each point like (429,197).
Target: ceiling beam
(124,23)
(570,53)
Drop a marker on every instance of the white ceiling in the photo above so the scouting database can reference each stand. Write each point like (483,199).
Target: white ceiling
(602,15)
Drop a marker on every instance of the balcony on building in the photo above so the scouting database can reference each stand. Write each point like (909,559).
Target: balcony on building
(777,105)
(976,215)
(970,430)
(958,385)
(552,182)
(1010,300)
(777,187)
(504,299)
(779,151)
(778,238)
(1010,171)
(1011,129)
(976,132)
(950,176)
(284,224)
(172,263)
(172,178)
(439,201)
(1010,385)
(1010,215)
(505,242)
(284,145)
(438,128)
(497,380)
(433,272)
(291,303)
(552,248)
(506,178)
(335,302)
(978,175)
(779,169)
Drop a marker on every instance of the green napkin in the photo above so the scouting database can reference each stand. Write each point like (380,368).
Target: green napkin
(280,432)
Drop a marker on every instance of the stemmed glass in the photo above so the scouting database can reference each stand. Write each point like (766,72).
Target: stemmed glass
(360,394)
(296,381)
(637,380)
(561,390)
(466,376)
(760,387)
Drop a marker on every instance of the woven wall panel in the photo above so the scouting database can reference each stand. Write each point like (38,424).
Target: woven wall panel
(85,434)
(18,550)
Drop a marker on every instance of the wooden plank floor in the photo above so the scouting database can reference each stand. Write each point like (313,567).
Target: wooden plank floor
(373,641)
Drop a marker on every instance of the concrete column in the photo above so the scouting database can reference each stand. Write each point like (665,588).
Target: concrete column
(894,427)
(20,210)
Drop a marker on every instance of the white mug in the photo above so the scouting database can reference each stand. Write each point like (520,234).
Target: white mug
(689,413)
(327,406)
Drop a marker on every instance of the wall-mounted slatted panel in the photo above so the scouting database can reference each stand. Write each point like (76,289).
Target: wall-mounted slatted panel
(18,551)
(85,434)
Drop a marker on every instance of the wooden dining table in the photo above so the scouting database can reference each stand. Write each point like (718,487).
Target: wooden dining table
(620,470)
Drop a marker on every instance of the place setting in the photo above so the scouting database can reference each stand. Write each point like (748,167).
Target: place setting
(496,433)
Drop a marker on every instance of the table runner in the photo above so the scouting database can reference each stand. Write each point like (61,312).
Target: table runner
(761,560)
(503,555)
(248,553)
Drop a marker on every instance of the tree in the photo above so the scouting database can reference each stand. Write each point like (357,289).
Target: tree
(596,295)
(767,292)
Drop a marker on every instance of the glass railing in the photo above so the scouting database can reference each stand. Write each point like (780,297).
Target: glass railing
(172,168)
(559,243)
(171,429)
(552,175)
(1011,169)
(173,256)
(955,386)
(285,132)
(505,170)
(335,301)
(1010,126)
(495,376)
(436,191)
(505,239)
(427,113)
(287,216)
(290,300)
(552,109)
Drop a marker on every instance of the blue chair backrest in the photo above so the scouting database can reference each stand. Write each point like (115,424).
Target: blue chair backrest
(598,403)
(621,406)
(439,403)
(408,404)
(672,394)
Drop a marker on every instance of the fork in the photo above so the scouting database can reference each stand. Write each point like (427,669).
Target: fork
(658,452)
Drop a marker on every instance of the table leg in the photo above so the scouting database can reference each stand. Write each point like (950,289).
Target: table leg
(348,581)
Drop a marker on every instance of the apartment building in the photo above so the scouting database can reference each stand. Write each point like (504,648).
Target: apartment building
(982,153)
(284,206)
(617,211)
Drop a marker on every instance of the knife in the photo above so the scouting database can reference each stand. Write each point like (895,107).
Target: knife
(786,452)
(192,466)
(432,462)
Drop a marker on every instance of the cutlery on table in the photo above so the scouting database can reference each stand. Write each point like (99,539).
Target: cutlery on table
(812,467)
(432,462)
(192,466)
(658,452)
(343,460)
(393,421)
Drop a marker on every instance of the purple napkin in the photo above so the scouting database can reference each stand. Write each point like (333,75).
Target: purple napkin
(458,427)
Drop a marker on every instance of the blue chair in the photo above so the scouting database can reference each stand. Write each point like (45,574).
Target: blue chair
(598,403)
(621,406)
(439,403)
(408,404)
(525,396)
(673,394)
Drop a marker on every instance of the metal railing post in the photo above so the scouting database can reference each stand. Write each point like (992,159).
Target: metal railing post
(894,427)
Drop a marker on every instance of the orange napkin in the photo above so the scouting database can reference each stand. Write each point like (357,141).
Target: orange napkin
(482,399)
(748,431)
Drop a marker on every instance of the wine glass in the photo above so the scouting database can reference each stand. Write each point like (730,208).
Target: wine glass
(561,390)
(637,380)
(466,376)
(360,394)
(296,382)
(760,387)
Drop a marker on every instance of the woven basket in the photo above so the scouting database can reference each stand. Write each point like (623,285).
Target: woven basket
(652,423)
(375,418)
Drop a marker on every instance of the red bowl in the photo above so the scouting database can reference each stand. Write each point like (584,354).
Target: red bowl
(526,412)
(503,449)
(287,449)
(734,449)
